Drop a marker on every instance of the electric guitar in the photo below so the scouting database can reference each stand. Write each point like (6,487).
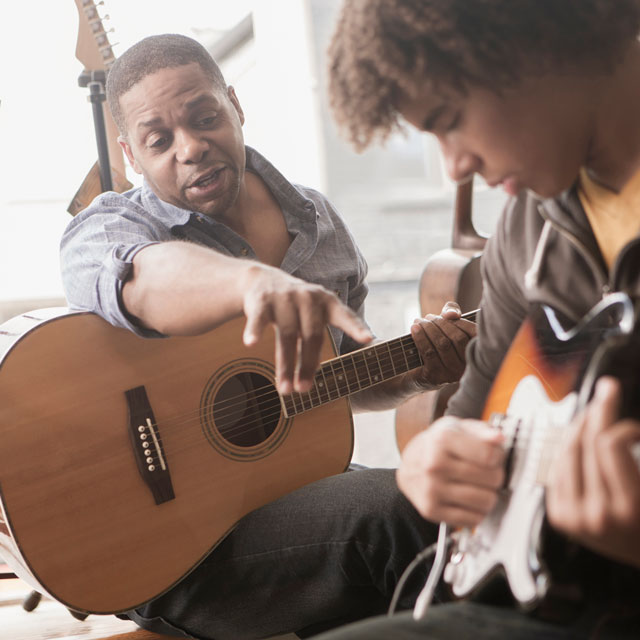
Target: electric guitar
(547,376)
(125,460)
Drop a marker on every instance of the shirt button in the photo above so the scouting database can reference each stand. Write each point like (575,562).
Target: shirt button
(244,251)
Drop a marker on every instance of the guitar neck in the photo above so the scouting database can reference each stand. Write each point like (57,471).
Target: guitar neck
(354,372)
(95,52)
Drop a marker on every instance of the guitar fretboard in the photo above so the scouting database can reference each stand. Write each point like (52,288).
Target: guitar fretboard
(355,372)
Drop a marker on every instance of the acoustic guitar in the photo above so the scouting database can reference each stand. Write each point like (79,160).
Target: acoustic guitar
(95,52)
(450,274)
(547,376)
(125,460)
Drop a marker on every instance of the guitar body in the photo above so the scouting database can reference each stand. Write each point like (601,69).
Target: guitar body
(547,375)
(82,517)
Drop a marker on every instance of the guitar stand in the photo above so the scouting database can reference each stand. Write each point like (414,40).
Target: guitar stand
(96,80)
(33,600)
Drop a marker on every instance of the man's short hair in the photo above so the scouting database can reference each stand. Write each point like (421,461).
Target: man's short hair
(383,49)
(150,55)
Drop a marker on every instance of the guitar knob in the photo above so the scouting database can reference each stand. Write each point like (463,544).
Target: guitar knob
(449,574)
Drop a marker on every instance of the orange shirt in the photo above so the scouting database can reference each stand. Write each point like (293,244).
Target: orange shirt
(614,216)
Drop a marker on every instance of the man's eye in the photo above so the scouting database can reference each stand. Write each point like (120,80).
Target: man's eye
(206,121)
(157,143)
(454,122)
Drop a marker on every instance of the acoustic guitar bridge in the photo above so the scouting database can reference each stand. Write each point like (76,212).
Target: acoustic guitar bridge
(147,446)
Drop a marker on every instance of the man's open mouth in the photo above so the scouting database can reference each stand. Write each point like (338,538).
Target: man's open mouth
(208,178)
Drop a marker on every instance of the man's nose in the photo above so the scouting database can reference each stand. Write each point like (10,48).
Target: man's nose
(190,146)
(460,163)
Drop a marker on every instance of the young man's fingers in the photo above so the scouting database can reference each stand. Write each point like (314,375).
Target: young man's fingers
(472,441)
(602,412)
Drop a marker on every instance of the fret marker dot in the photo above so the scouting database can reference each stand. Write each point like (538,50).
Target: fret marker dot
(339,377)
(321,384)
(375,377)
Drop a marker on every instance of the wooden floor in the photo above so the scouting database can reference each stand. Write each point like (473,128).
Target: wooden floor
(50,620)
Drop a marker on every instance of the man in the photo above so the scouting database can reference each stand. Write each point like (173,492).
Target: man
(542,98)
(216,232)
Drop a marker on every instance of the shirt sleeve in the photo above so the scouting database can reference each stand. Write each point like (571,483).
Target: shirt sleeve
(358,291)
(96,254)
(503,308)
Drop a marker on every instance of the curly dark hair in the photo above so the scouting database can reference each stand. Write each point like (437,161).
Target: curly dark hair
(382,49)
(152,54)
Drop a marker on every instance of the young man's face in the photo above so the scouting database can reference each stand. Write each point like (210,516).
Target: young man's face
(535,136)
(184,135)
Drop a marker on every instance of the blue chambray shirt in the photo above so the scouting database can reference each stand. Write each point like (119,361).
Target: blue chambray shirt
(98,246)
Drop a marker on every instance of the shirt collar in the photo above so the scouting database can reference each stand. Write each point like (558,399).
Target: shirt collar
(289,196)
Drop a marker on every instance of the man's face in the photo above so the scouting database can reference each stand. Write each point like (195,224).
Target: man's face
(532,137)
(184,135)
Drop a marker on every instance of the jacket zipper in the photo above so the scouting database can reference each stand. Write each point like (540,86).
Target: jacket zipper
(609,285)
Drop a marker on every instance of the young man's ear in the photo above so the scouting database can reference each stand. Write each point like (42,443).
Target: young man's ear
(126,147)
(231,92)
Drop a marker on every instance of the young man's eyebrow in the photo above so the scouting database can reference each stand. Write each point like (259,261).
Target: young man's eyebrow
(431,120)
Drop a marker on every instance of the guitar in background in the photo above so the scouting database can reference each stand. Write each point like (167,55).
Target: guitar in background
(450,274)
(95,52)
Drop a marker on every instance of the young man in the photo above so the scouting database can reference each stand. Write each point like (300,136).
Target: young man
(216,232)
(541,98)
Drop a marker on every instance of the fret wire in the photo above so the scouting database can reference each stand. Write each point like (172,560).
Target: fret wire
(404,353)
(310,394)
(355,370)
(290,408)
(332,383)
(336,379)
(379,374)
(293,401)
(391,358)
(344,389)
(322,384)
(347,372)
(367,355)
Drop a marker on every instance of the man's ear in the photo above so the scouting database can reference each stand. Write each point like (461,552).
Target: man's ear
(231,92)
(126,147)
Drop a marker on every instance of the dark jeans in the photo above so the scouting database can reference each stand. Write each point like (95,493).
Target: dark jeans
(470,621)
(325,555)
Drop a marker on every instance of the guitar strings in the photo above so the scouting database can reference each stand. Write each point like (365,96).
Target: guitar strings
(240,400)
(268,392)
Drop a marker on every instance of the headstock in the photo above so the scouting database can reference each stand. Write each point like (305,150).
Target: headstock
(93,48)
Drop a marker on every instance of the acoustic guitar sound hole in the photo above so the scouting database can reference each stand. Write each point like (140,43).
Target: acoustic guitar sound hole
(246,409)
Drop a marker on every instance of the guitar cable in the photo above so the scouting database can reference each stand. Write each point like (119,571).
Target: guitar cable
(439,549)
